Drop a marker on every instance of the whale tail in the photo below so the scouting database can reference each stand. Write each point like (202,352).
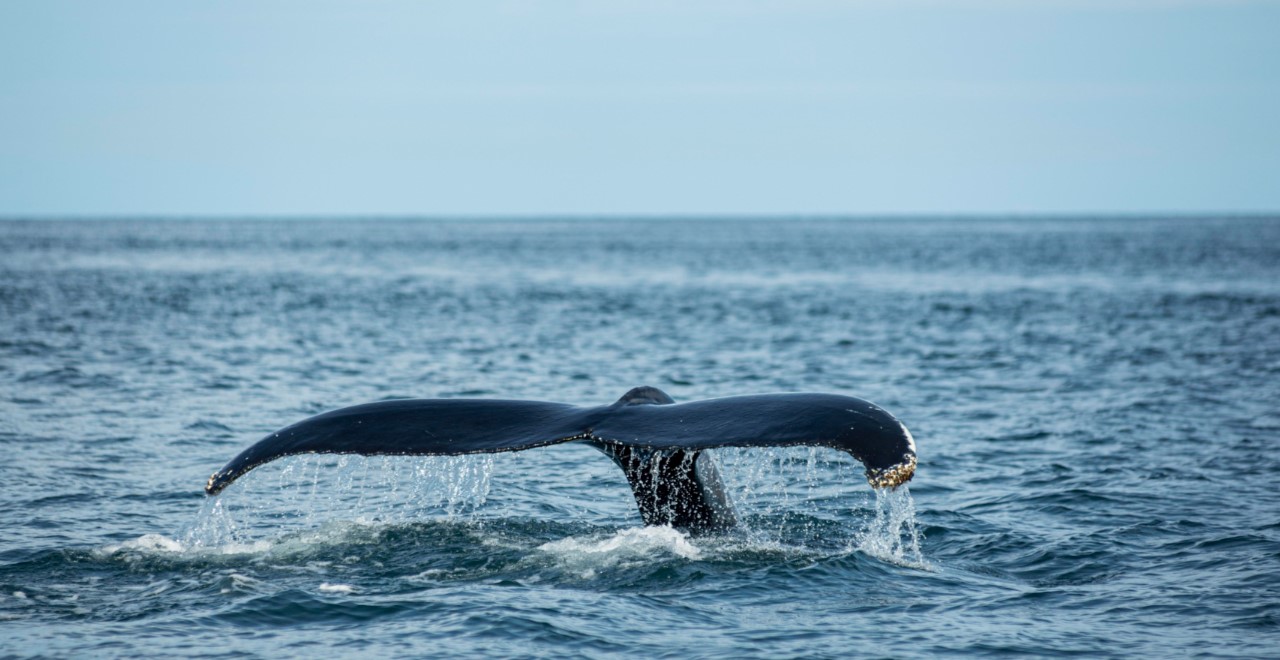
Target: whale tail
(659,444)
(676,487)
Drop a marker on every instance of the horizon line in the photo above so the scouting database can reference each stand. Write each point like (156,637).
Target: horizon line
(622,216)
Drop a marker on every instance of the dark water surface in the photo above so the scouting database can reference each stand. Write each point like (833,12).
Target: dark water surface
(1096,403)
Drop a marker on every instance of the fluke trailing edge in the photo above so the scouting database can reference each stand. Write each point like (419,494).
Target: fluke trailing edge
(658,443)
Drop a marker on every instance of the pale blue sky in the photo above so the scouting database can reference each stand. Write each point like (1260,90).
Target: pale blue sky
(513,108)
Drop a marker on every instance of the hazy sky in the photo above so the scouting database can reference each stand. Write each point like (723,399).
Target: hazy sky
(861,107)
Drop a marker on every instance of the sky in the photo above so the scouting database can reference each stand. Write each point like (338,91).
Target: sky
(476,108)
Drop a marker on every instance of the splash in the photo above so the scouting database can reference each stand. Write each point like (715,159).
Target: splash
(626,548)
(147,543)
(892,534)
(792,496)
(311,491)
(212,531)
(764,479)
(789,500)
(632,541)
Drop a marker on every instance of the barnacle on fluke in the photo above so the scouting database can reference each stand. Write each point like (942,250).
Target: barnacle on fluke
(893,476)
(659,444)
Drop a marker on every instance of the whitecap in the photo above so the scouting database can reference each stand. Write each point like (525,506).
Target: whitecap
(158,544)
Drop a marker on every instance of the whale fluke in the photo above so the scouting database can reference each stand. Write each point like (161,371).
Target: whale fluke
(658,443)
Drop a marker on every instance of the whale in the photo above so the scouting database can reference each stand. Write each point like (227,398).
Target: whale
(659,445)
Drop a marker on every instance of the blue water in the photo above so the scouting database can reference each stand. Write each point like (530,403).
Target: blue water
(1096,404)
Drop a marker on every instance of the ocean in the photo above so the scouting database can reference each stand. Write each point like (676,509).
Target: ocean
(1096,404)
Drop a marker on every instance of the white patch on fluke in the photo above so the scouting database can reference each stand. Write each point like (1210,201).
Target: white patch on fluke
(911,441)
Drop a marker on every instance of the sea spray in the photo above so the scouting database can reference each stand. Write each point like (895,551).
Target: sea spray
(892,534)
(308,491)
(796,494)
(788,497)
(214,531)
